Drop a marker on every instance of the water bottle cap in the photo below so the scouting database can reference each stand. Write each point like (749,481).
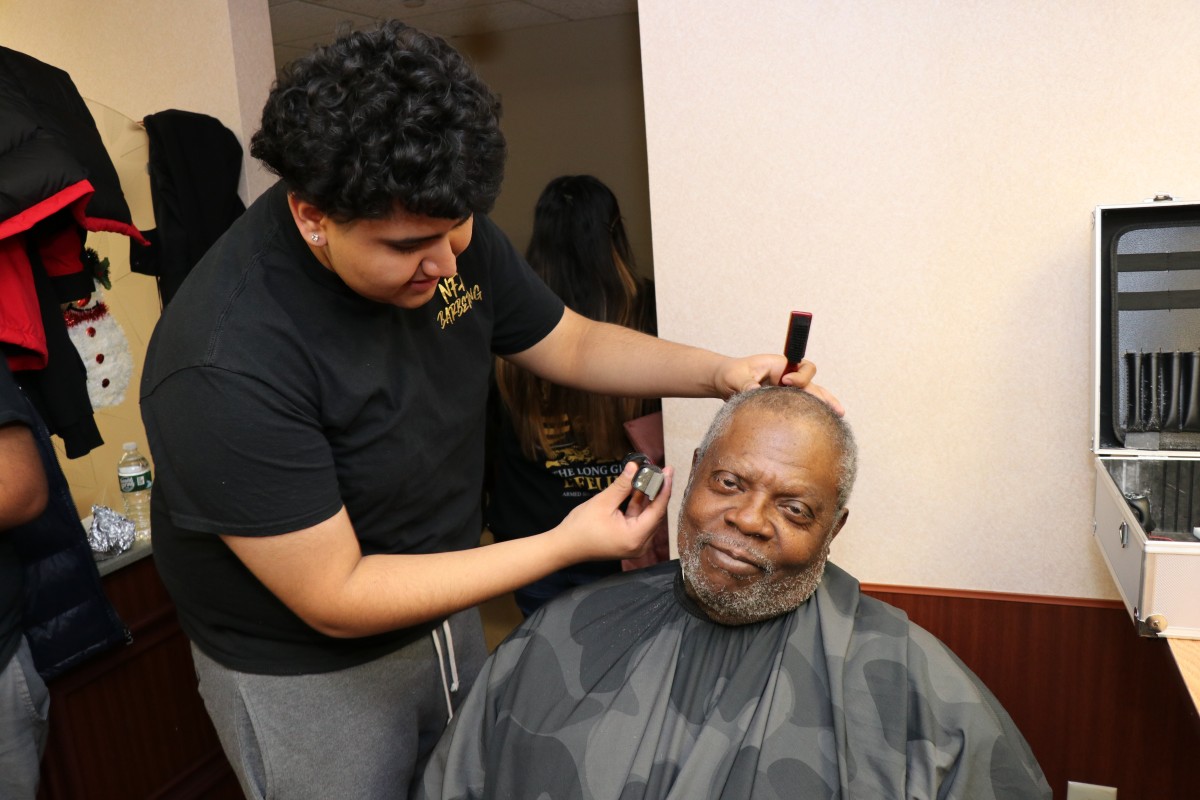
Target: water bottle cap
(130,446)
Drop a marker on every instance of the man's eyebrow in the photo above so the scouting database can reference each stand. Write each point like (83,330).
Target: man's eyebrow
(412,241)
(798,489)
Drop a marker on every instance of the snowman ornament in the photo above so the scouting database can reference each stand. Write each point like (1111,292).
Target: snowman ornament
(102,346)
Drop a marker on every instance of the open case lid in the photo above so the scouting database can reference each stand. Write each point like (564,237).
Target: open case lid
(1146,330)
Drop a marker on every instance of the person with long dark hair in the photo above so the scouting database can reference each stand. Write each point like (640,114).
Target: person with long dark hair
(554,446)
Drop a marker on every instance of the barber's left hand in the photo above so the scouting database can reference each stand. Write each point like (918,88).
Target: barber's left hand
(750,372)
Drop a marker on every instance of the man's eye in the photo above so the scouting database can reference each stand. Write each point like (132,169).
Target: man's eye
(726,482)
(797,511)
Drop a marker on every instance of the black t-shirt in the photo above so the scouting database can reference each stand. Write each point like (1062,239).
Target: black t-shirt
(528,496)
(273,395)
(13,411)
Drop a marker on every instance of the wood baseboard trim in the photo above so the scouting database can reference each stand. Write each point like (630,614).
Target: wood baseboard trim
(1006,597)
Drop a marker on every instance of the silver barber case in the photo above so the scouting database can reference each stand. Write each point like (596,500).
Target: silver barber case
(1146,409)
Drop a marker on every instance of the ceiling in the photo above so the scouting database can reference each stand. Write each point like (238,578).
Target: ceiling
(298,25)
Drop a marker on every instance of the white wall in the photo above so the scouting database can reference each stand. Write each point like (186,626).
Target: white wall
(920,175)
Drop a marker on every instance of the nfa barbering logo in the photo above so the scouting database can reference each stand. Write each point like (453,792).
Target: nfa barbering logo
(458,299)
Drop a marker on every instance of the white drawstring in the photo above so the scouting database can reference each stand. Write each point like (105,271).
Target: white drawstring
(453,660)
(452,685)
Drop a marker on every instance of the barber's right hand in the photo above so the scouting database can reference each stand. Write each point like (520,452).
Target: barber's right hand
(599,530)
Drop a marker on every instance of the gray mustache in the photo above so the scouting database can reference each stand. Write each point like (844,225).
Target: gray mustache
(736,544)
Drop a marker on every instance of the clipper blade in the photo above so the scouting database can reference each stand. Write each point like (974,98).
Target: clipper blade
(649,479)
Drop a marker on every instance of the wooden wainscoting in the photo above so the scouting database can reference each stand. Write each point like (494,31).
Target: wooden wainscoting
(130,723)
(1097,703)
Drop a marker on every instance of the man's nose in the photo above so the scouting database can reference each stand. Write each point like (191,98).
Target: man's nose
(750,515)
(440,262)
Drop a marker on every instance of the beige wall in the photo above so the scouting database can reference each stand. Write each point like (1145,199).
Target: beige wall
(142,56)
(572,96)
(138,57)
(920,176)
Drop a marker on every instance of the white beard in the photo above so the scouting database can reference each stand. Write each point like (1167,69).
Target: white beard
(759,599)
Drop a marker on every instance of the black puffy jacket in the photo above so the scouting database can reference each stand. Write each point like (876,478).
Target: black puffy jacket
(65,614)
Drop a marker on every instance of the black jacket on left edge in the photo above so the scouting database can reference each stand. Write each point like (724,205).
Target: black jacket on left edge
(56,183)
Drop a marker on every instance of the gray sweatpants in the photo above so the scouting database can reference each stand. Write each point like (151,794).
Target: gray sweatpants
(24,712)
(355,733)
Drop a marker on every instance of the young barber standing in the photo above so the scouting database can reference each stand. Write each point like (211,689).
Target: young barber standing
(314,398)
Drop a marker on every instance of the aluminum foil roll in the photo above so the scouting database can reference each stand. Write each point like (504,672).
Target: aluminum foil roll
(111,533)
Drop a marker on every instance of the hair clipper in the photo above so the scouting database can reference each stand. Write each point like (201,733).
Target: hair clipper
(649,479)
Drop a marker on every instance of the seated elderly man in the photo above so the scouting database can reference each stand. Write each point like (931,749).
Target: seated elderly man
(748,669)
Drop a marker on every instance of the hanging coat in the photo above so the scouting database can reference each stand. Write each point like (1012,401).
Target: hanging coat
(195,164)
(56,183)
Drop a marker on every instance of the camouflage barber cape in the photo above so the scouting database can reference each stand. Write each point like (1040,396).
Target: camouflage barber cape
(624,690)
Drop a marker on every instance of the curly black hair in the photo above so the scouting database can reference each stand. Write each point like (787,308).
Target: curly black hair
(384,117)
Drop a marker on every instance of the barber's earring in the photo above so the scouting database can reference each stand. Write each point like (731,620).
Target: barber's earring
(316,237)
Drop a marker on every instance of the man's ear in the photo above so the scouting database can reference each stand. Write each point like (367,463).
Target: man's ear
(837,526)
(309,219)
(695,458)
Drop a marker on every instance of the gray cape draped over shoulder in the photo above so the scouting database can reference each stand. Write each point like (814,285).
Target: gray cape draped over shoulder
(623,689)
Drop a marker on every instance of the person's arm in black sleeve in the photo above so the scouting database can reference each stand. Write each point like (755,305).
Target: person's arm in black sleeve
(23,489)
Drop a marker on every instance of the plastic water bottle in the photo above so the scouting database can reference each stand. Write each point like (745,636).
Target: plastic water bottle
(133,473)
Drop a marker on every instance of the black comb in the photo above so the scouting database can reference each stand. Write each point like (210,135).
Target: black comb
(797,340)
